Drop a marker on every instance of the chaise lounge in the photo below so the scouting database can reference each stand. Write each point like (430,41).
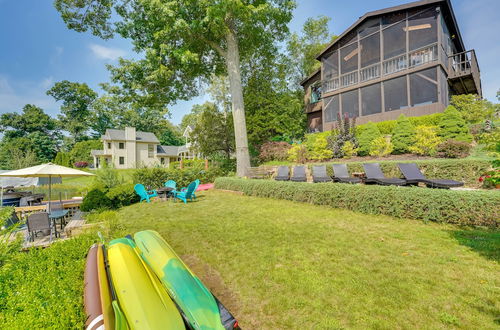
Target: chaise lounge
(283,173)
(341,174)
(299,174)
(413,175)
(319,174)
(374,175)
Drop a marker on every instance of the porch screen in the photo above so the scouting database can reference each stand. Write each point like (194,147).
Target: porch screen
(371,100)
(350,104)
(349,58)
(422,29)
(331,106)
(395,40)
(331,65)
(424,87)
(370,50)
(395,94)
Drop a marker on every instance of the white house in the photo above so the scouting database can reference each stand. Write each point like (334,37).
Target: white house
(129,148)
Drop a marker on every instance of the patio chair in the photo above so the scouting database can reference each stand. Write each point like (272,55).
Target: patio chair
(143,193)
(283,173)
(39,222)
(170,184)
(341,174)
(188,193)
(413,175)
(319,174)
(374,175)
(299,174)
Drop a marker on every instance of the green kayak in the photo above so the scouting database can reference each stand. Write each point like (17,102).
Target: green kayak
(199,307)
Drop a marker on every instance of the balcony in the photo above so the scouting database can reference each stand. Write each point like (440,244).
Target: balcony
(464,74)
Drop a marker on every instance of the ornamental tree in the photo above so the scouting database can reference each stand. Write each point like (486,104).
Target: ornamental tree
(452,126)
(185,42)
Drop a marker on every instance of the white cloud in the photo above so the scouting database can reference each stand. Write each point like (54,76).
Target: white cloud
(107,53)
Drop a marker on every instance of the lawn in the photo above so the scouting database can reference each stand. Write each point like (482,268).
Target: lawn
(281,264)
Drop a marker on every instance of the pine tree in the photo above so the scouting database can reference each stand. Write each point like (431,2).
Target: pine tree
(370,133)
(403,135)
(453,126)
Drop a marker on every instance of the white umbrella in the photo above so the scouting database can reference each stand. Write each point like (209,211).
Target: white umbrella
(48,170)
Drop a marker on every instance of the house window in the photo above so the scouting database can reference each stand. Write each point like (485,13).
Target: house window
(121,145)
(371,100)
(395,40)
(315,93)
(151,150)
(370,50)
(349,58)
(395,94)
(424,87)
(162,161)
(350,104)
(331,65)
(121,160)
(109,145)
(331,108)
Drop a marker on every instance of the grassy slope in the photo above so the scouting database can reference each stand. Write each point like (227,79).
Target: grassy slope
(280,264)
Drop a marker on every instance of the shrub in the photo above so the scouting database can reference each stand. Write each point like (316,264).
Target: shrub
(490,139)
(122,195)
(381,147)
(317,146)
(388,126)
(189,163)
(453,127)
(426,141)
(81,164)
(107,178)
(81,151)
(96,199)
(477,208)
(297,153)
(403,135)
(274,151)
(63,159)
(473,108)
(453,149)
(157,176)
(345,134)
(370,133)
(490,179)
(349,149)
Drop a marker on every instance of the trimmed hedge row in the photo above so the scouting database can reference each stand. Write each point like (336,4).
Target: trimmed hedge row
(476,208)
(464,170)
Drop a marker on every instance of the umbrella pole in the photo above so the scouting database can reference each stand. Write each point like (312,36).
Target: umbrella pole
(50,189)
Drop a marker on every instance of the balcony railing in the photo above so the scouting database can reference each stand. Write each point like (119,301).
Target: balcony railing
(399,63)
(463,64)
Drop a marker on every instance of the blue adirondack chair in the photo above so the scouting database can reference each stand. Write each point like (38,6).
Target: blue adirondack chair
(143,193)
(194,192)
(171,184)
(188,193)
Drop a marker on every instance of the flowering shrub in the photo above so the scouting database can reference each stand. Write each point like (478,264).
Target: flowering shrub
(490,179)
(274,151)
(81,164)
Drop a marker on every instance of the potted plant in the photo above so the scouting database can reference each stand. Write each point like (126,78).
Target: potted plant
(491,179)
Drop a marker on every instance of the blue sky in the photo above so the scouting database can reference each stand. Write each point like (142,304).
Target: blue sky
(36,48)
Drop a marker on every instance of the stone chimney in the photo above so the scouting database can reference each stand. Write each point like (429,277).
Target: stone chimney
(130,133)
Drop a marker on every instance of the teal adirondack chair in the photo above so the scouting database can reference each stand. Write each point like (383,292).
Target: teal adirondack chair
(143,193)
(194,192)
(171,184)
(186,194)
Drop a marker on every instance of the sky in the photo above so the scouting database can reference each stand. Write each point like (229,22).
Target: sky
(37,50)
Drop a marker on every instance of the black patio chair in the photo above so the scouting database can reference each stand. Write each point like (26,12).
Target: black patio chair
(319,174)
(299,174)
(283,174)
(39,222)
(341,174)
(413,175)
(374,175)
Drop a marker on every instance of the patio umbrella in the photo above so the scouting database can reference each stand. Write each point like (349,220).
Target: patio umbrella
(48,170)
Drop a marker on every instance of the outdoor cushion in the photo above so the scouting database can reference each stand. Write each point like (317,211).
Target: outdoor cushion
(374,175)
(340,174)
(319,174)
(283,173)
(299,174)
(412,174)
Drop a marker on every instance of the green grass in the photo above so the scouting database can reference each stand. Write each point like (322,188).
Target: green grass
(281,264)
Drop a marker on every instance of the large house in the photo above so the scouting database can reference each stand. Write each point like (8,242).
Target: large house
(407,59)
(129,148)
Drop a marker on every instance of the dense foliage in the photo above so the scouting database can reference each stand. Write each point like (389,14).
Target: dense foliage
(367,136)
(381,147)
(452,126)
(426,141)
(155,177)
(403,135)
(454,149)
(473,108)
(96,199)
(475,208)
(274,151)
(122,195)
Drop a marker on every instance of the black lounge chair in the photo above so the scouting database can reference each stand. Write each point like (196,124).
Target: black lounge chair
(283,174)
(374,175)
(319,174)
(340,174)
(299,174)
(413,175)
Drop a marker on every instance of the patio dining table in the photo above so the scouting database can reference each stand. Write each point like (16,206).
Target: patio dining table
(55,215)
(165,191)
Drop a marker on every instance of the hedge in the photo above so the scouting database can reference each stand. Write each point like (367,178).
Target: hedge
(476,208)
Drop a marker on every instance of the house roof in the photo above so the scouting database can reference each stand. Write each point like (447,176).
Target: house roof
(311,76)
(167,150)
(447,7)
(118,134)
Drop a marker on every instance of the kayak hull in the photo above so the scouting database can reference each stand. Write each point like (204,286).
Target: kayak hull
(92,294)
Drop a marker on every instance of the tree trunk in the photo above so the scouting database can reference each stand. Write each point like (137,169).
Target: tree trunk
(238,107)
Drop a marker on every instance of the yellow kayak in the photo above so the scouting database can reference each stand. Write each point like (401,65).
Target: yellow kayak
(140,295)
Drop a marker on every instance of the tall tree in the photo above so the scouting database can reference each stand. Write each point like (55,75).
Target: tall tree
(186,41)
(77,99)
(304,48)
(31,119)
